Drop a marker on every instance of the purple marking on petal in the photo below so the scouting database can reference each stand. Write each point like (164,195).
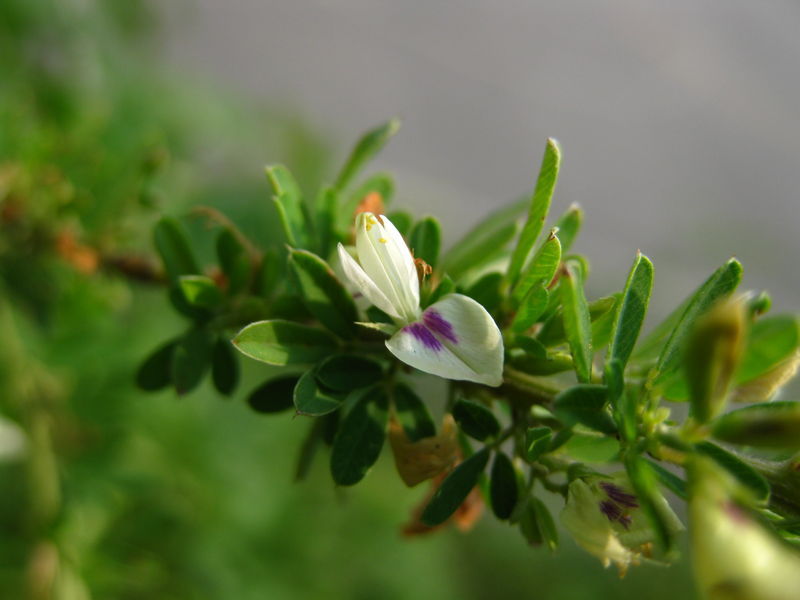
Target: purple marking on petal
(610,510)
(424,335)
(625,521)
(439,325)
(619,495)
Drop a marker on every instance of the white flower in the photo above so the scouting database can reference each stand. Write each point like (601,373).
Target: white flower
(454,338)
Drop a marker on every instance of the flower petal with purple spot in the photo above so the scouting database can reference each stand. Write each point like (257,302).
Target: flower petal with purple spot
(424,335)
(439,325)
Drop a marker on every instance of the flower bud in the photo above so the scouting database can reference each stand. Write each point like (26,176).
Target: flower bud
(712,355)
(734,556)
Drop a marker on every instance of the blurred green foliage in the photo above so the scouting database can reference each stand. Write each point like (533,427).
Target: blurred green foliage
(122,495)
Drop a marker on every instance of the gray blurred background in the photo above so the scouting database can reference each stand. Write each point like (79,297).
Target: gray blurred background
(679,120)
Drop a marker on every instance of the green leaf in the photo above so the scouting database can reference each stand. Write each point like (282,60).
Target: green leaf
(233,261)
(577,325)
(182,306)
(542,269)
(426,239)
(312,401)
(653,504)
(224,367)
(545,523)
(289,204)
(455,488)
(772,341)
(487,291)
(556,362)
(592,448)
(327,208)
(603,325)
(412,414)
(743,472)
(274,396)
(530,345)
(765,425)
(622,402)
(531,308)
(360,437)
(347,372)
(528,524)
(485,242)
(759,305)
(503,486)
(475,419)
(173,248)
(539,207)
(446,286)
(553,333)
(537,442)
(384,328)
(585,404)
(669,480)
(632,311)
(365,149)
(569,225)
(323,294)
(402,221)
(200,291)
(712,353)
(155,373)
(191,360)
(282,343)
(268,274)
(720,285)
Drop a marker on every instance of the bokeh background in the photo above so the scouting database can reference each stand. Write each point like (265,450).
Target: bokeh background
(681,137)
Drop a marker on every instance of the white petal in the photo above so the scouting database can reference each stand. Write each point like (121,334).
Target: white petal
(456,339)
(365,285)
(387,260)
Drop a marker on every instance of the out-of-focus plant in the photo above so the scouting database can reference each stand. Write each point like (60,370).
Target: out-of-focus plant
(546,389)
(87,163)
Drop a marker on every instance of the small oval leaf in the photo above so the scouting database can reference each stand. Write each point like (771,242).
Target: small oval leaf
(224,367)
(360,437)
(577,325)
(311,400)
(282,343)
(200,291)
(347,372)
(585,404)
(426,239)
(274,396)
(632,310)
(323,294)
(475,419)
(503,486)
(412,414)
(155,373)
(173,247)
(454,489)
